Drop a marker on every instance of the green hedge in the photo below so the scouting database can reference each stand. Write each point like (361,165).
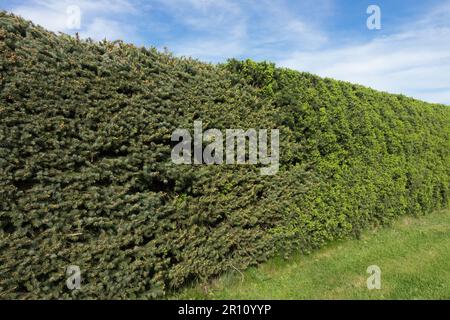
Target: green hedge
(87,180)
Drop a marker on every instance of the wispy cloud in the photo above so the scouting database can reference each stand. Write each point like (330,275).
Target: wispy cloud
(222,29)
(99,19)
(414,61)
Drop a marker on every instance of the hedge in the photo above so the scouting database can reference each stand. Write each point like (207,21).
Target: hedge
(87,179)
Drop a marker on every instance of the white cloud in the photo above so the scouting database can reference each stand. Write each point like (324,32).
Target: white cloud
(230,28)
(50,19)
(415,61)
(100,29)
(209,50)
(99,19)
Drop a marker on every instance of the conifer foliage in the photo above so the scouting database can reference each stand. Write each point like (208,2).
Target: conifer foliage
(86,177)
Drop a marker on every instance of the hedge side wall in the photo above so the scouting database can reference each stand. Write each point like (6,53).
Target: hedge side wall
(86,176)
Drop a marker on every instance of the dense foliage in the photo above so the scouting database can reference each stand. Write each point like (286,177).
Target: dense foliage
(87,180)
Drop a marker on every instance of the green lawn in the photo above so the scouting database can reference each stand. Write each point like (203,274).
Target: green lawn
(413,254)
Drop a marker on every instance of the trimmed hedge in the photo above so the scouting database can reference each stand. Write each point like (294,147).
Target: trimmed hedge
(87,180)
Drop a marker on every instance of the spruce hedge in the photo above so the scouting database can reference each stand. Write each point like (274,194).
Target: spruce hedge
(86,177)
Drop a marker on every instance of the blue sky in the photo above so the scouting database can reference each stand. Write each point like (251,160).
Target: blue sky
(409,55)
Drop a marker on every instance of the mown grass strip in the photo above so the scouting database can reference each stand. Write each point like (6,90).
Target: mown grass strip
(413,254)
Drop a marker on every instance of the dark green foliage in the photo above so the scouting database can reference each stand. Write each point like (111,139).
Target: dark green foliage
(87,180)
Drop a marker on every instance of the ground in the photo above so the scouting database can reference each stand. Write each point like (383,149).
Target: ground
(413,255)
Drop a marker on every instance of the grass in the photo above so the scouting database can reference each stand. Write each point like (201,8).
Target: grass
(413,254)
